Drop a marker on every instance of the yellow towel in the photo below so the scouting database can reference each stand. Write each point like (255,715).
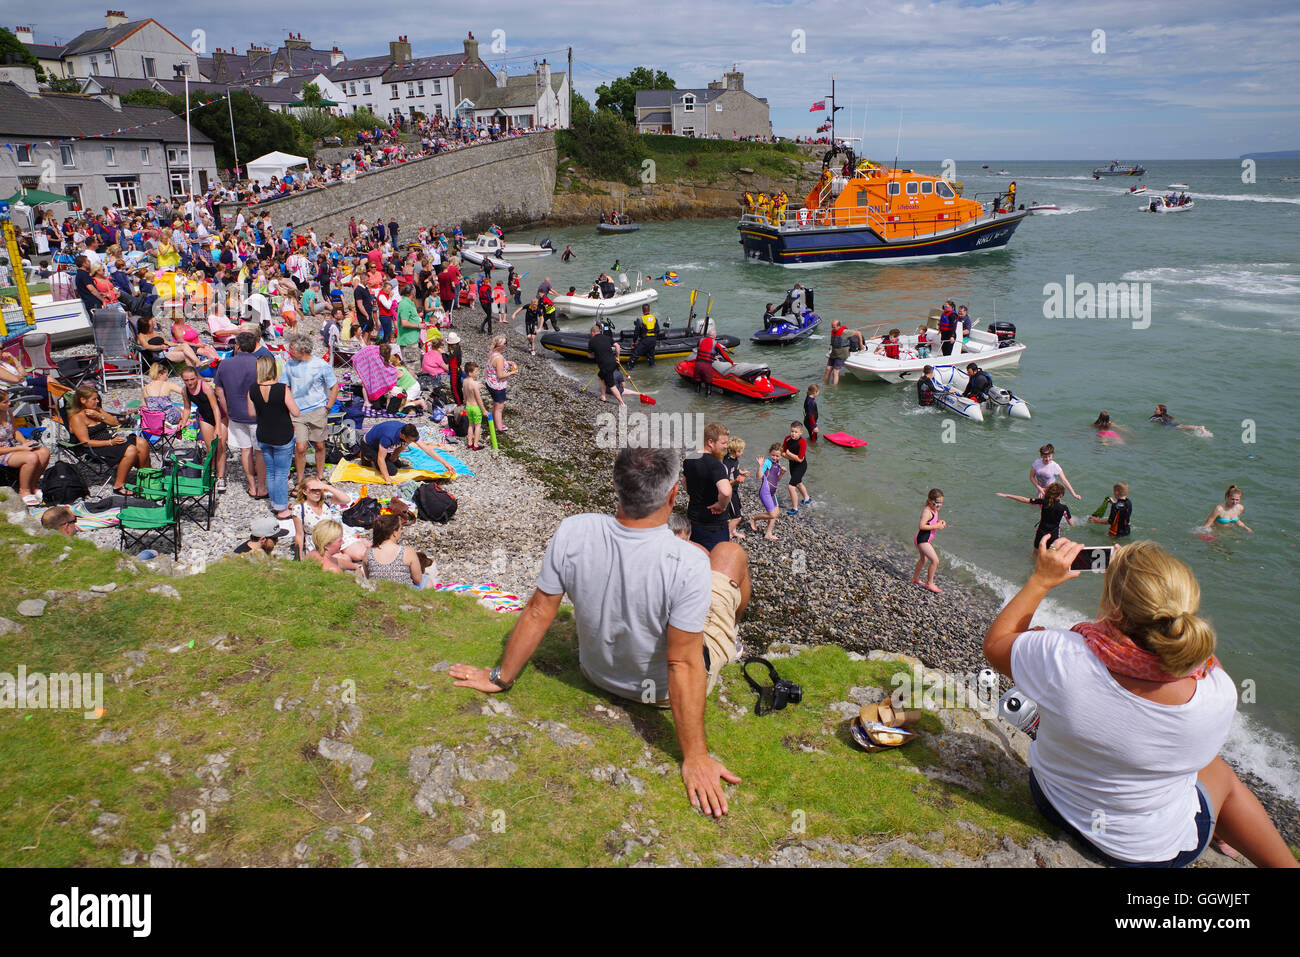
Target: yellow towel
(347,471)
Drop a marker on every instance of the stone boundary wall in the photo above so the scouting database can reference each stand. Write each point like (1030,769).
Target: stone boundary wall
(510,182)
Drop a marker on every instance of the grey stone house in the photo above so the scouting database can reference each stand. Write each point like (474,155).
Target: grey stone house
(133,48)
(724,109)
(92,148)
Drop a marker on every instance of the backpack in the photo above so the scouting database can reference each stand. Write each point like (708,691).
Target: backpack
(62,484)
(434,504)
(460,425)
(362,514)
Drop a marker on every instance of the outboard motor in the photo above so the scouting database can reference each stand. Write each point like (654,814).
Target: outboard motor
(1005,331)
(546,243)
(623,284)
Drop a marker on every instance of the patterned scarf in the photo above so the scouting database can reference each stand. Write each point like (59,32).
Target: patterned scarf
(1119,654)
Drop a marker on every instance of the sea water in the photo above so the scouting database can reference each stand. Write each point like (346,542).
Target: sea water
(1219,350)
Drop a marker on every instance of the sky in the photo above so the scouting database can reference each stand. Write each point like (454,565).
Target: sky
(1102,80)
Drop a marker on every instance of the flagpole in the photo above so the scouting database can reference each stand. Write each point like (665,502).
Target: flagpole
(230,108)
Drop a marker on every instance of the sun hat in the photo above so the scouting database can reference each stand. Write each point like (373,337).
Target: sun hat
(267,528)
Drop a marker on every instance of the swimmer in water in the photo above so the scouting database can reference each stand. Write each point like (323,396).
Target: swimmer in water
(1228,512)
(1106,430)
(1161,416)
(928,525)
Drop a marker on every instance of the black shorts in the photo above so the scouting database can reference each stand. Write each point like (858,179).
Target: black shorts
(606,374)
(530,327)
(797,472)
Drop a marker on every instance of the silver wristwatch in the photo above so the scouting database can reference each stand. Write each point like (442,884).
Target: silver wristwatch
(494,676)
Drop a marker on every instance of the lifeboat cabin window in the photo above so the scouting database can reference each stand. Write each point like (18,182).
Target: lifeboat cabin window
(926,188)
(911,188)
(893,189)
(943,190)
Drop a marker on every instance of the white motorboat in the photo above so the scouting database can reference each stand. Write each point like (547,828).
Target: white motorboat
(487,246)
(627,295)
(1179,186)
(1158,205)
(527,250)
(996,349)
(1137,190)
(999,401)
(1043,208)
(64,320)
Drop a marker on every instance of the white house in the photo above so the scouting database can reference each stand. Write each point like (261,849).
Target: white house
(128,48)
(540,98)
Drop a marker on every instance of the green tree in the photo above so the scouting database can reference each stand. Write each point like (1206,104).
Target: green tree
(580,115)
(64,84)
(12,50)
(604,144)
(311,95)
(258,130)
(619,95)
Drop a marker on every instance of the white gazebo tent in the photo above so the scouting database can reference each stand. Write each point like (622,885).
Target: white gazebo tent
(275,164)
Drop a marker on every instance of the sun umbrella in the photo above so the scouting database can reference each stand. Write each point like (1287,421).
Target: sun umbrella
(37,197)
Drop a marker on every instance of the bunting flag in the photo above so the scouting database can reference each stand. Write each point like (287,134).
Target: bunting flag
(819,105)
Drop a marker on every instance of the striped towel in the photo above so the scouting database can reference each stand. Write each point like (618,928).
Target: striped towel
(377,378)
(490,596)
(88,521)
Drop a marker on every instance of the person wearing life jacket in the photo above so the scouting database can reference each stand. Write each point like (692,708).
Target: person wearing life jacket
(1011,195)
(842,338)
(769,317)
(947,328)
(926,387)
(705,353)
(645,335)
(979,384)
(548,311)
(890,347)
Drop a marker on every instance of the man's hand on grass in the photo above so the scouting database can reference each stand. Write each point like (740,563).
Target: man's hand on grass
(471,677)
(700,775)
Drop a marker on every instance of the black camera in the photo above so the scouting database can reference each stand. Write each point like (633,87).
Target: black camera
(773,697)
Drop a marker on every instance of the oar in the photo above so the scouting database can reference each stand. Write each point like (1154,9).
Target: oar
(645,399)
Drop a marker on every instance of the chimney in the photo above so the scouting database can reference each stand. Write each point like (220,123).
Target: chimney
(256,56)
(735,80)
(501,77)
(471,47)
(296,42)
(24,34)
(20,75)
(400,50)
(337,56)
(113,18)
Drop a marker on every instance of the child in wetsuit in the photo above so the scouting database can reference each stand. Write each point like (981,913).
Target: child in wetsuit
(1121,512)
(770,471)
(810,412)
(795,449)
(1051,512)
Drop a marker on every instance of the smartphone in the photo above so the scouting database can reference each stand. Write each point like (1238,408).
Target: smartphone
(1093,559)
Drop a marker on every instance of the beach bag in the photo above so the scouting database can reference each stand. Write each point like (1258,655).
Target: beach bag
(362,514)
(460,425)
(434,504)
(62,485)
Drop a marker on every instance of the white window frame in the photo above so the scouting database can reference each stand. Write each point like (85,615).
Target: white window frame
(717,107)
(110,155)
(944,190)
(177,156)
(893,189)
(393,94)
(912,187)
(94,66)
(688,131)
(149,66)
(126,193)
(688,103)
(365,87)
(437,109)
(419,88)
(178,177)
(144,156)
(24,150)
(926,188)
(437,86)
(68,157)
(410,89)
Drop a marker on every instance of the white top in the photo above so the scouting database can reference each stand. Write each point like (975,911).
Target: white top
(627,586)
(1119,768)
(1045,473)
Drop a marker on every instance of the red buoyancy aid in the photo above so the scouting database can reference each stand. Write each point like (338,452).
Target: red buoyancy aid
(891,349)
(704,351)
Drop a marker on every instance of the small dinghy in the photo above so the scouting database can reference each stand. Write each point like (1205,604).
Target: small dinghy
(1162,205)
(487,246)
(1137,190)
(526,250)
(999,402)
(1043,208)
(669,343)
(994,349)
(607,298)
(617,227)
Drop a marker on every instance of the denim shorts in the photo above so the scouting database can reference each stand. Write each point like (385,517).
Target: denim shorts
(1204,829)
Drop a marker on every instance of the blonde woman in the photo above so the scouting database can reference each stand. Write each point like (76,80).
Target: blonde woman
(168,258)
(327,542)
(316,501)
(498,372)
(1133,711)
(27,457)
(158,392)
(271,403)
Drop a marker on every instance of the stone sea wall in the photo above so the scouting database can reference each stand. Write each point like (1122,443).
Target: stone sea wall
(510,182)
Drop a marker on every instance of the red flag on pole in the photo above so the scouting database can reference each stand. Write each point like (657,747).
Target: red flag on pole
(819,105)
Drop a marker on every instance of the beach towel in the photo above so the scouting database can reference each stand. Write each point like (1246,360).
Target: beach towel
(490,596)
(424,467)
(377,377)
(88,521)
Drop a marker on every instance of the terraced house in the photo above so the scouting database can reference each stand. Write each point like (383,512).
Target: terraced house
(723,109)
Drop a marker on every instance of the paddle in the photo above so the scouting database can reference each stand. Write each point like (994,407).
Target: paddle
(645,399)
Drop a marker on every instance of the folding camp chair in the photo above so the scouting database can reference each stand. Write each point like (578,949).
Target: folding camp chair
(157,432)
(115,346)
(33,351)
(143,525)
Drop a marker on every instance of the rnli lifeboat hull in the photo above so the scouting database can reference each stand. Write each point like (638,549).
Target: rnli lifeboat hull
(792,246)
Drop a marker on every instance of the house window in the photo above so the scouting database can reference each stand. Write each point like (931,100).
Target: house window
(911,188)
(150,66)
(437,86)
(419,88)
(393,90)
(437,109)
(66,155)
(183,67)
(176,155)
(144,156)
(125,192)
(24,152)
(688,103)
(94,66)
(410,89)
(352,89)
(110,155)
(717,107)
(365,87)
(75,193)
(688,131)
(411,110)
(178,181)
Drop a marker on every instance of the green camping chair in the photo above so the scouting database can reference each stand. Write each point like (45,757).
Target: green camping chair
(143,525)
(197,494)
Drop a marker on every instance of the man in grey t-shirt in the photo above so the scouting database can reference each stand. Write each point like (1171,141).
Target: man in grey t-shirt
(656,615)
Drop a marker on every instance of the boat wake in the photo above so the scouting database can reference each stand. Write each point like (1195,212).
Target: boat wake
(1066,211)
(1249,198)
(1253,279)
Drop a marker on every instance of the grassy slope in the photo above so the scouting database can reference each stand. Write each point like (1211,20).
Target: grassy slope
(296,632)
(685,160)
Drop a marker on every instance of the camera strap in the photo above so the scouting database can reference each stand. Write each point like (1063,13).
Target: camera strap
(766,696)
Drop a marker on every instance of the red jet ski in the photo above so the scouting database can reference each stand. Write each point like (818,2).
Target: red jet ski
(753,380)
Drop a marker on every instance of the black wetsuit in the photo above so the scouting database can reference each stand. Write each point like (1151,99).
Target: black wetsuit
(979,386)
(1049,520)
(925,391)
(810,417)
(1121,513)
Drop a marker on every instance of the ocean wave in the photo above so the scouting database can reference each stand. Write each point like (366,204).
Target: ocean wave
(1050,614)
(1247,198)
(1265,753)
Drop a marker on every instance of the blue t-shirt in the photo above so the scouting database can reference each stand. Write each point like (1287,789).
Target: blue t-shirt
(310,382)
(235,376)
(385,435)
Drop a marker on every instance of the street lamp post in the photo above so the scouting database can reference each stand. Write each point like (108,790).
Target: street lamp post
(183,73)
